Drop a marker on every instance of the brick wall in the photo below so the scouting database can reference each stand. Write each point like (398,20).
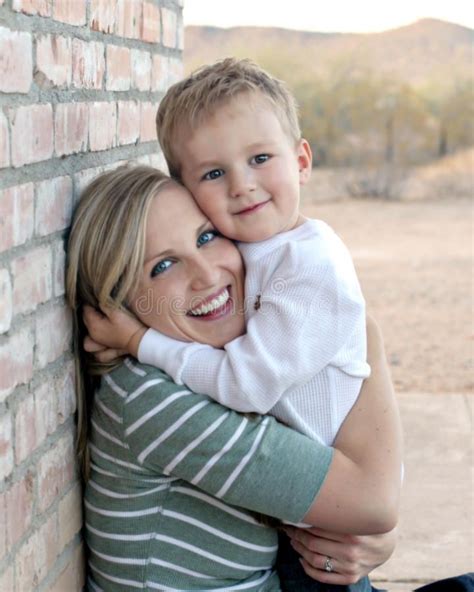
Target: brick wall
(80,81)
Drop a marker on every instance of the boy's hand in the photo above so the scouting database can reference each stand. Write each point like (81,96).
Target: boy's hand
(101,352)
(114,329)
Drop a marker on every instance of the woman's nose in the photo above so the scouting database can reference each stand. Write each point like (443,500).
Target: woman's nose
(242,182)
(205,273)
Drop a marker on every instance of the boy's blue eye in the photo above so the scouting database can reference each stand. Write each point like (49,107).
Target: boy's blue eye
(215,174)
(207,237)
(161,267)
(260,158)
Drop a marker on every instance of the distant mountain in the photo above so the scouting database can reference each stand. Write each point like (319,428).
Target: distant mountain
(428,50)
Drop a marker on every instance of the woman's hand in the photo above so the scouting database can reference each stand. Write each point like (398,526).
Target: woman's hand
(352,557)
(112,332)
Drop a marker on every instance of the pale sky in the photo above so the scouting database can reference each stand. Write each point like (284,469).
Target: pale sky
(357,16)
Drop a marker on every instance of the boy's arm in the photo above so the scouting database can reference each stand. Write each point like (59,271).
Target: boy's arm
(308,312)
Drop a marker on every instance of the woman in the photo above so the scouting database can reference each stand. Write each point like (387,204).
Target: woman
(168,467)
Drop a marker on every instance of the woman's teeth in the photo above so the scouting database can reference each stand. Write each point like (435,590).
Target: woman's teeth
(211,306)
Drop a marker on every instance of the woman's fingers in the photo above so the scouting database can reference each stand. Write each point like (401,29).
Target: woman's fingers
(327,577)
(317,559)
(345,549)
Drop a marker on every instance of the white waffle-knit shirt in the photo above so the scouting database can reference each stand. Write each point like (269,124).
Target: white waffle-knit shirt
(303,357)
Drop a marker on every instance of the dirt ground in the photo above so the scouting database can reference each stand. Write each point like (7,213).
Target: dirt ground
(414,261)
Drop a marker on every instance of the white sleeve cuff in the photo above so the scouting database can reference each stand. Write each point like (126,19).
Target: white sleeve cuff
(163,352)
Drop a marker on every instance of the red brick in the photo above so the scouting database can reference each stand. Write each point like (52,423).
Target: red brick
(141,70)
(16,61)
(6,301)
(84,177)
(56,470)
(32,279)
(169,27)
(19,507)
(7,579)
(59,287)
(151,23)
(4,142)
(70,515)
(128,128)
(53,334)
(88,64)
(118,68)
(158,161)
(53,61)
(71,128)
(66,395)
(102,126)
(46,409)
(147,121)
(32,134)
(16,361)
(158,73)
(39,7)
(16,215)
(102,15)
(53,205)
(6,446)
(34,559)
(72,576)
(25,429)
(55,402)
(70,11)
(175,70)
(3,531)
(128,18)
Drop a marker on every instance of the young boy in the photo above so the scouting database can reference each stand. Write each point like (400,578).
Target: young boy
(230,133)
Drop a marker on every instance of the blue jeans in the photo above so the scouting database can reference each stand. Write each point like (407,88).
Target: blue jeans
(294,579)
(463,583)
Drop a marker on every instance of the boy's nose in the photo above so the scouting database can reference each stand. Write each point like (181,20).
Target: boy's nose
(242,183)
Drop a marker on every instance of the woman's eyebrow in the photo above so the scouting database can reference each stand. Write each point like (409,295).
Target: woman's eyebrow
(203,226)
(166,253)
(170,252)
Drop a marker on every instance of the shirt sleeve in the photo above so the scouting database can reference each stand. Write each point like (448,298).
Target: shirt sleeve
(308,313)
(253,462)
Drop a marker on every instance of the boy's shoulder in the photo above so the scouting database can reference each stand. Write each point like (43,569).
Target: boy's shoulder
(308,242)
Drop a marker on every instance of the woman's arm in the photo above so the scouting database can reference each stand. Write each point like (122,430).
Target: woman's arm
(361,492)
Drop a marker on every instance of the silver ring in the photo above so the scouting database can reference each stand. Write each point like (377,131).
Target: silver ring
(328,566)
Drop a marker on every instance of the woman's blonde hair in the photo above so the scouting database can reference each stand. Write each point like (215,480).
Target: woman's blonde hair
(188,102)
(105,258)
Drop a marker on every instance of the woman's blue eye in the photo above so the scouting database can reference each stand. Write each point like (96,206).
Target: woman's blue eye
(206,237)
(161,267)
(215,174)
(260,158)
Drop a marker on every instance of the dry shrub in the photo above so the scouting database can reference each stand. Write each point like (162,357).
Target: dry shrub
(448,177)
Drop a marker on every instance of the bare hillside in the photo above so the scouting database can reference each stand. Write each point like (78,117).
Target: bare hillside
(416,53)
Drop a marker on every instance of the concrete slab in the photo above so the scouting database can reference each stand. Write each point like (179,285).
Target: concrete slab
(436,524)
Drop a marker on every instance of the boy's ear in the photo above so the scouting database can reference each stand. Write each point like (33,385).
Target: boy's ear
(305,160)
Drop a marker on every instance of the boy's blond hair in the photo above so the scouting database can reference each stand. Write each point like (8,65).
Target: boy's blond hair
(188,102)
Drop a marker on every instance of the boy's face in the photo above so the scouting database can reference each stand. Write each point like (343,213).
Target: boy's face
(244,171)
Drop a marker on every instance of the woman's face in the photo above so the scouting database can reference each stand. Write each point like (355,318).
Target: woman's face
(192,282)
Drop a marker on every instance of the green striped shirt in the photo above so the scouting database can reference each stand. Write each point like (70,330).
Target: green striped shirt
(174,480)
